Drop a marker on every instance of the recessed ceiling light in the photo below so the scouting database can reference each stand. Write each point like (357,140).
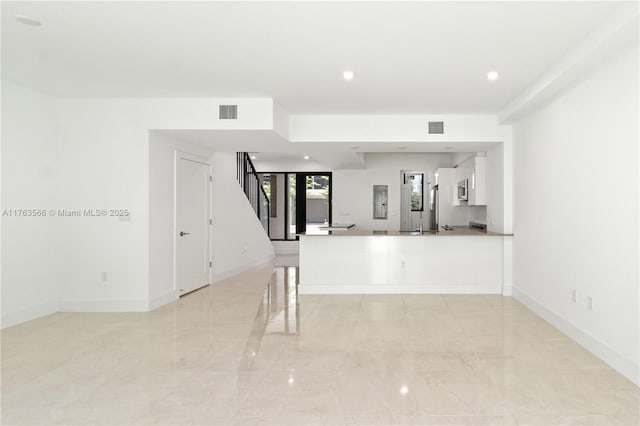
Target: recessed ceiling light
(348,75)
(28,21)
(492,76)
(306,157)
(253,157)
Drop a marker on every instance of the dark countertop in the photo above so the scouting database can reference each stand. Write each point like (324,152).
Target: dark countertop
(456,232)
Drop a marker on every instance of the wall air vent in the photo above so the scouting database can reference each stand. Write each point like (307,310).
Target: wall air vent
(228,112)
(436,127)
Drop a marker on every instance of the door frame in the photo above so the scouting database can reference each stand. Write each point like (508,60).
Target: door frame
(301,200)
(178,155)
(286,199)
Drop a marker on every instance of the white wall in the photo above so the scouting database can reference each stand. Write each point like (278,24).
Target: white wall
(281,122)
(106,165)
(68,153)
(29,173)
(394,128)
(103,164)
(576,211)
(239,241)
(162,158)
(235,225)
(353,189)
(459,157)
(290,165)
(495,189)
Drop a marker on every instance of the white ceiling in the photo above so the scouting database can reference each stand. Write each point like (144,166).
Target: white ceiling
(408,57)
(270,147)
(268,141)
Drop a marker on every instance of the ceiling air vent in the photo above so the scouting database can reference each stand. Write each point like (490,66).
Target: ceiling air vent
(436,127)
(228,112)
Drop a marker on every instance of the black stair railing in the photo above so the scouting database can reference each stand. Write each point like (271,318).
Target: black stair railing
(252,187)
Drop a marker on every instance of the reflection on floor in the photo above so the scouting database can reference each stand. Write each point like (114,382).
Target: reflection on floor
(334,360)
(278,312)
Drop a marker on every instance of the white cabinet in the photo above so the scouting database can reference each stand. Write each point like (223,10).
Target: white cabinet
(448,213)
(474,169)
(478,183)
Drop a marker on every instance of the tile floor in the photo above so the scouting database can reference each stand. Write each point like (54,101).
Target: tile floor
(248,351)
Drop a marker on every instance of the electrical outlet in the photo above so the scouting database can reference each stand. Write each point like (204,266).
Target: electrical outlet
(105,277)
(574,296)
(590,303)
(402,264)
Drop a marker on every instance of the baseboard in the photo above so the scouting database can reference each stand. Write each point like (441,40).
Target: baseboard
(507,290)
(287,251)
(624,366)
(219,276)
(156,302)
(103,306)
(286,247)
(398,289)
(114,305)
(29,314)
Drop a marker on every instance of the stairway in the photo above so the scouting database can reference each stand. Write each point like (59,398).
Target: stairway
(252,187)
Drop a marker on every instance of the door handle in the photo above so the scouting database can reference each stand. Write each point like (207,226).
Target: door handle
(182,234)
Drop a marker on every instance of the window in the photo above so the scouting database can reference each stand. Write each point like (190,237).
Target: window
(417,184)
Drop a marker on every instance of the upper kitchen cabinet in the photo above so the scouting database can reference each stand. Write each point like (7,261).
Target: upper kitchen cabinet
(474,170)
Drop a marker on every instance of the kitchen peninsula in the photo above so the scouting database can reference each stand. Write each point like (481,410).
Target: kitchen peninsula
(462,261)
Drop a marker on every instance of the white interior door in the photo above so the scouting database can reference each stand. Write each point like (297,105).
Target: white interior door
(405,207)
(192,225)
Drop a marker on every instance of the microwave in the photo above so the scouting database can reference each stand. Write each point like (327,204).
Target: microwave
(463,186)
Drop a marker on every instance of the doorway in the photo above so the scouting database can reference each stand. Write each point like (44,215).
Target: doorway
(313,201)
(192,224)
(412,212)
(300,202)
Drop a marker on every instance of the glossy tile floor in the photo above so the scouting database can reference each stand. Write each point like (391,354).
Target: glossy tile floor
(248,351)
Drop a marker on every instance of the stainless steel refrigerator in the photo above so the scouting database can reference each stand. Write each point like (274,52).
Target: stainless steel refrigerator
(433,208)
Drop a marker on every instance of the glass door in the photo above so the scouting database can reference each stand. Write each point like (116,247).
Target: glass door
(291,206)
(318,213)
(299,202)
(313,201)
